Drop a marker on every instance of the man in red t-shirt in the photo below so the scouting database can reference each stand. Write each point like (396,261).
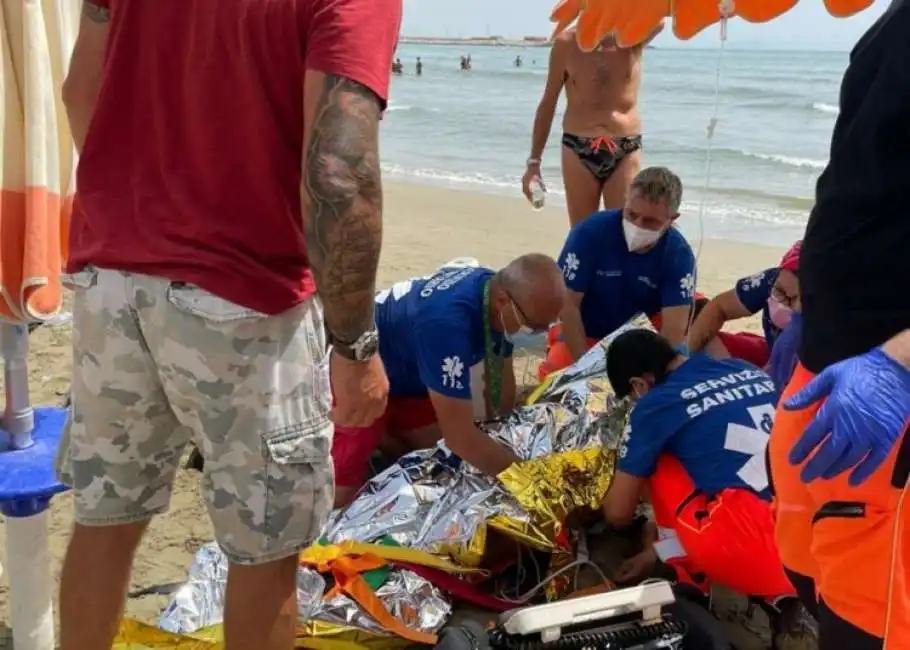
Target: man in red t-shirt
(229,166)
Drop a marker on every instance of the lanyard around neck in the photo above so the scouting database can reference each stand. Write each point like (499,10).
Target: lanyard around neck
(492,362)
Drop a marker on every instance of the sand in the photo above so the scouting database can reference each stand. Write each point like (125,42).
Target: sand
(424,227)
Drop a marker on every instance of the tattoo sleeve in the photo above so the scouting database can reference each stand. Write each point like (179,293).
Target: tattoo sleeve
(343,213)
(95,13)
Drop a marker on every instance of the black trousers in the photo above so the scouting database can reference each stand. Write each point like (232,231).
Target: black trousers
(834,632)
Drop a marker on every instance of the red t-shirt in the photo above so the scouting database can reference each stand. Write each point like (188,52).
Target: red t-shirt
(191,168)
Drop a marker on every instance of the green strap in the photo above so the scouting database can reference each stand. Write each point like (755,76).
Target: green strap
(492,362)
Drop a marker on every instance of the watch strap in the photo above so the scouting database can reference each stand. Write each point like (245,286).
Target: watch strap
(361,349)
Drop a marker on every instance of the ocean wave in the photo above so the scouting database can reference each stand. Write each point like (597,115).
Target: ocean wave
(407,108)
(821,107)
(775,103)
(754,195)
(779,159)
(523,73)
(776,159)
(458,178)
(737,93)
(723,204)
(743,214)
(792,161)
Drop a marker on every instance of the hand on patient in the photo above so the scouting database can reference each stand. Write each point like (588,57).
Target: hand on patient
(637,568)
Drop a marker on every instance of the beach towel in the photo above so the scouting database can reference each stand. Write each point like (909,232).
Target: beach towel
(37,156)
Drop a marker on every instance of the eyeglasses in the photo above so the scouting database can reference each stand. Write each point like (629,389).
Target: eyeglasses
(522,317)
(782,297)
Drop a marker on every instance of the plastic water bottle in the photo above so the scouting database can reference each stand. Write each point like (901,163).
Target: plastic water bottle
(538,194)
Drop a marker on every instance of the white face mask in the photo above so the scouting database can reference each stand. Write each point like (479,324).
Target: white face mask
(523,330)
(639,238)
(780,314)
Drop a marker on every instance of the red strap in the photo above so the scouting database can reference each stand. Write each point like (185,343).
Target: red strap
(458,588)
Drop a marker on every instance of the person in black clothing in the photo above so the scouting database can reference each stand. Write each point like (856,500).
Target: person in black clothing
(841,537)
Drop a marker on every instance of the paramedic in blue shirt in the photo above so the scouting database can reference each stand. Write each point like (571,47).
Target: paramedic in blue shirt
(432,332)
(775,294)
(695,444)
(619,263)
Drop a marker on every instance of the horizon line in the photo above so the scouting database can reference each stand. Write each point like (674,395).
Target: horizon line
(544,41)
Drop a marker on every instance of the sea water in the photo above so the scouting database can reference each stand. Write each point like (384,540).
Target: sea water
(472,130)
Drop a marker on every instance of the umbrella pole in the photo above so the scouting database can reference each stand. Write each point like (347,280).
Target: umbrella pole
(28,568)
(18,418)
(27,553)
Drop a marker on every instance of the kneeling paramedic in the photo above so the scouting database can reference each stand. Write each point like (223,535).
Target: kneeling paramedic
(695,444)
(445,344)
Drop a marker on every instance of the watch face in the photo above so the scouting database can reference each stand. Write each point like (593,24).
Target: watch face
(366,346)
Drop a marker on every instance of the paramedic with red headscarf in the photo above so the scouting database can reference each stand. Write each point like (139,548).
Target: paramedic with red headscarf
(846,408)
(773,292)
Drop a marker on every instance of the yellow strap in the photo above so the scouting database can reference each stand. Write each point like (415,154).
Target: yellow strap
(540,390)
(318,555)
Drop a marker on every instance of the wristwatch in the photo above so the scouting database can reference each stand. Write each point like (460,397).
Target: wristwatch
(362,349)
(531,162)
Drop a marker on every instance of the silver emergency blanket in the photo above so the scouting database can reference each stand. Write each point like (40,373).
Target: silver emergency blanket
(199,602)
(431,500)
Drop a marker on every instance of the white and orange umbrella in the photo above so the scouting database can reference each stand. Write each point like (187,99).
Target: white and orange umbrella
(37,157)
(633,21)
(37,162)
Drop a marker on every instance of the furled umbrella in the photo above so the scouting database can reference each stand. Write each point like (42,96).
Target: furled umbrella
(633,21)
(37,162)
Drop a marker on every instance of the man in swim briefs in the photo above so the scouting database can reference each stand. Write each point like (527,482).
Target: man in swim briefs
(601,141)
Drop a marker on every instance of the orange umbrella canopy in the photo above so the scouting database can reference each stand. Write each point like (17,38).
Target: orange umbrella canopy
(633,21)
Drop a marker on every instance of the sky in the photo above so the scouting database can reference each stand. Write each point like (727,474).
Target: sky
(808,26)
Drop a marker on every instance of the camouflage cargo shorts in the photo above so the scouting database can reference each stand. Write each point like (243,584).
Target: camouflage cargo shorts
(157,364)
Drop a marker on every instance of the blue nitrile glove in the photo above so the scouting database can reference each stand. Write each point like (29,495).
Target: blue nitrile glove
(867,406)
(783,353)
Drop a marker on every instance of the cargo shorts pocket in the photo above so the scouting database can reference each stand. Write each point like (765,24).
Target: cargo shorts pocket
(193,300)
(83,279)
(300,484)
(304,443)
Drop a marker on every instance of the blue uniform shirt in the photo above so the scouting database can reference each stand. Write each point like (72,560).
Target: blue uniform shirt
(714,417)
(618,284)
(431,332)
(753,292)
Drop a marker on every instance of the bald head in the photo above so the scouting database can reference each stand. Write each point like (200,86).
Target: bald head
(535,284)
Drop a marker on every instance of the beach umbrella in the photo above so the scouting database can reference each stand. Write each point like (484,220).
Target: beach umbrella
(633,21)
(37,162)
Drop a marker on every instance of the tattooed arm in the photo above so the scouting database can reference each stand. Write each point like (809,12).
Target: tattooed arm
(343,199)
(83,81)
